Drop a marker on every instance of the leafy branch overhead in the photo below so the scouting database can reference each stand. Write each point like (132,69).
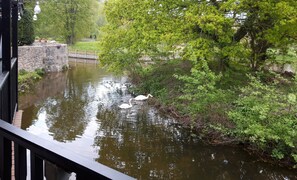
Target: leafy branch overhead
(222,31)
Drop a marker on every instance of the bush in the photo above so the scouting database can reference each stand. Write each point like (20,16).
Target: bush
(27,79)
(266,117)
(26,29)
(200,90)
(159,81)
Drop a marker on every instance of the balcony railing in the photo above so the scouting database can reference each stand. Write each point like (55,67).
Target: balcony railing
(40,151)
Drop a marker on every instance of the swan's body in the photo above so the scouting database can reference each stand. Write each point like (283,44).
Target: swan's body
(125,105)
(142,97)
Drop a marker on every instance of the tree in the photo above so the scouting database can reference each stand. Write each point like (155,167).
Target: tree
(68,20)
(221,31)
(269,24)
(26,29)
(101,21)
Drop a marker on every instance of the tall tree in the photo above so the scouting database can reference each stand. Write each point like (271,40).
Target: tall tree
(26,29)
(68,20)
(268,24)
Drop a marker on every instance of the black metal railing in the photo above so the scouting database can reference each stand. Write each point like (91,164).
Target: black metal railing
(8,92)
(4,98)
(42,150)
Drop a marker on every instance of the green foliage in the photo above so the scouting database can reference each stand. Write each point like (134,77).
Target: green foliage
(25,29)
(196,30)
(40,72)
(283,56)
(27,79)
(137,30)
(101,21)
(160,81)
(283,14)
(266,117)
(200,89)
(295,157)
(67,20)
(268,24)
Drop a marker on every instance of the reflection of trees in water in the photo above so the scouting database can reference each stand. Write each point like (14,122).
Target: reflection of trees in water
(139,143)
(67,116)
(29,115)
(134,141)
(51,85)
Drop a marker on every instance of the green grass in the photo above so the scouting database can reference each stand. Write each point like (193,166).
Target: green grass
(85,46)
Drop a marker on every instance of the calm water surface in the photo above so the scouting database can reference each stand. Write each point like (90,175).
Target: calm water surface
(79,109)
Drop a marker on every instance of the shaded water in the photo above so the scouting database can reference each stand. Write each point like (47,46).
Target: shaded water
(79,109)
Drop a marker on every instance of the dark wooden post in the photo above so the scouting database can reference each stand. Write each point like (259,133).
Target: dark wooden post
(5,158)
(15,29)
(6,52)
(14,73)
(6,22)
(20,162)
(36,167)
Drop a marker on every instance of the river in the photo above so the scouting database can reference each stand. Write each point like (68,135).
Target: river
(79,109)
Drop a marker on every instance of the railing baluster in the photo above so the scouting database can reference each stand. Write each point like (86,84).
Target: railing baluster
(79,176)
(5,155)
(36,167)
(20,159)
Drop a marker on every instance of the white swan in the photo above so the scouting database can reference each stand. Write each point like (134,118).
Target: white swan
(142,97)
(125,105)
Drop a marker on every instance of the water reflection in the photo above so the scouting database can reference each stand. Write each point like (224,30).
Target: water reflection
(82,114)
(43,90)
(68,116)
(141,143)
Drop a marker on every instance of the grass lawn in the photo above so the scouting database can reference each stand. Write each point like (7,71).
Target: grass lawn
(85,46)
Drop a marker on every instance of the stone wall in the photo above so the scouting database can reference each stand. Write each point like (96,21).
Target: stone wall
(51,57)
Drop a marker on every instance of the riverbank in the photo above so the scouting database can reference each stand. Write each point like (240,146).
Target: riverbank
(26,79)
(237,110)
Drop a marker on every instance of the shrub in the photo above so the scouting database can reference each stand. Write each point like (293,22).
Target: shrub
(200,90)
(266,117)
(27,79)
